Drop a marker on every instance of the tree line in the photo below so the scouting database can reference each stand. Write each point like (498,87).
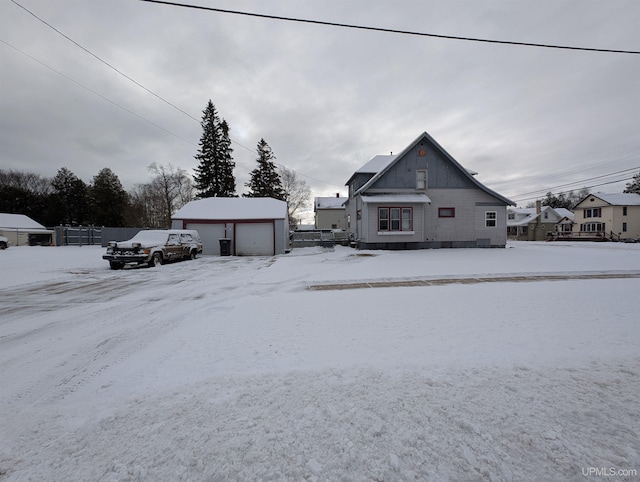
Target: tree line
(67,200)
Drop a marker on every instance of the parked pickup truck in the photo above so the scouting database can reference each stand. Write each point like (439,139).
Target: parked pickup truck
(154,248)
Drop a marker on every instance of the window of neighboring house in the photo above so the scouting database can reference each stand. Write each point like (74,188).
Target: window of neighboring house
(624,227)
(446,212)
(395,219)
(624,210)
(546,215)
(334,226)
(592,227)
(593,213)
(512,215)
(421,179)
(566,227)
(490,219)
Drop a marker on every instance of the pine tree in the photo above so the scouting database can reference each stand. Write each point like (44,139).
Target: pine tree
(265,180)
(634,185)
(109,199)
(70,198)
(214,174)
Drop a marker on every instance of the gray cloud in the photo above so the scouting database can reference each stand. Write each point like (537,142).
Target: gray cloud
(326,99)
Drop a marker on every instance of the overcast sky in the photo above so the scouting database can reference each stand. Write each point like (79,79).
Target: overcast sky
(326,99)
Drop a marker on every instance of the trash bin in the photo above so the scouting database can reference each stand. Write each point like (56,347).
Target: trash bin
(225,247)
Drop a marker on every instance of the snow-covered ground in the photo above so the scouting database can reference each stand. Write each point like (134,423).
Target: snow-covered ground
(227,368)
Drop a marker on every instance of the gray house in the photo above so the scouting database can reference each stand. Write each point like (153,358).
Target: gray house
(423,198)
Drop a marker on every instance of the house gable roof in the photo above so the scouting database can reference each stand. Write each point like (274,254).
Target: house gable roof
(391,160)
(616,199)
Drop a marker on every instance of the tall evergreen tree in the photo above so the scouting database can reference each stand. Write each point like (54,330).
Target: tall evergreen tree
(70,198)
(109,199)
(633,185)
(265,180)
(214,175)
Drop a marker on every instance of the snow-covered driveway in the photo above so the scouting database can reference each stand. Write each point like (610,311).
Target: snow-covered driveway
(232,369)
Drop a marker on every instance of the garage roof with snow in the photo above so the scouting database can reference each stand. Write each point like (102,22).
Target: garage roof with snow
(234,208)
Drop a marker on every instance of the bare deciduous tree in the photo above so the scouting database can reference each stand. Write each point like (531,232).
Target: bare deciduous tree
(296,193)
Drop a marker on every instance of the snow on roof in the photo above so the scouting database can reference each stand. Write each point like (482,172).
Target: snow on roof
(530,214)
(397,198)
(620,199)
(231,208)
(18,221)
(330,202)
(377,164)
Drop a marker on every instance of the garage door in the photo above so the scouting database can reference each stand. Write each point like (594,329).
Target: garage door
(254,239)
(210,235)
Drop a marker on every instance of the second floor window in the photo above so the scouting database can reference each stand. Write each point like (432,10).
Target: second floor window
(593,213)
(421,179)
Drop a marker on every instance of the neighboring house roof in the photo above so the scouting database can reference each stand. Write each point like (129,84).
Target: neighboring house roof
(19,221)
(329,202)
(224,208)
(379,161)
(617,199)
(529,215)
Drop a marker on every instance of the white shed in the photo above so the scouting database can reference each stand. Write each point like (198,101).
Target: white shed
(21,230)
(253,226)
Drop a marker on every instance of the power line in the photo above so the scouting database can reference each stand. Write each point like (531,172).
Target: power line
(95,93)
(582,181)
(555,190)
(390,30)
(131,80)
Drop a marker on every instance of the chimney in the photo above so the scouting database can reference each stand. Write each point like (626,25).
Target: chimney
(538,206)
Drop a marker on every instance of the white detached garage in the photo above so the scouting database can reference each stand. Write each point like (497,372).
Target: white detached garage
(253,226)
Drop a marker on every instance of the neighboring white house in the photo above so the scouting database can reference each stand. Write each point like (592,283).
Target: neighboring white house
(423,198)
(534,224)
(21,230)
(329,212)
(250,226)
(614,216)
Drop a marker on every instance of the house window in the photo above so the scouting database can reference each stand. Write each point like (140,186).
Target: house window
(567,228)
(490,219)
(395,219)
(383,219)
(446,212)
(421,179)
(624,210)
(512,215)
(592,227)
(593,213)
(624,227)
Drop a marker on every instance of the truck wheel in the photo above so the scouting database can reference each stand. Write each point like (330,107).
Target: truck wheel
(193,254)
(116,265)
(156,260)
